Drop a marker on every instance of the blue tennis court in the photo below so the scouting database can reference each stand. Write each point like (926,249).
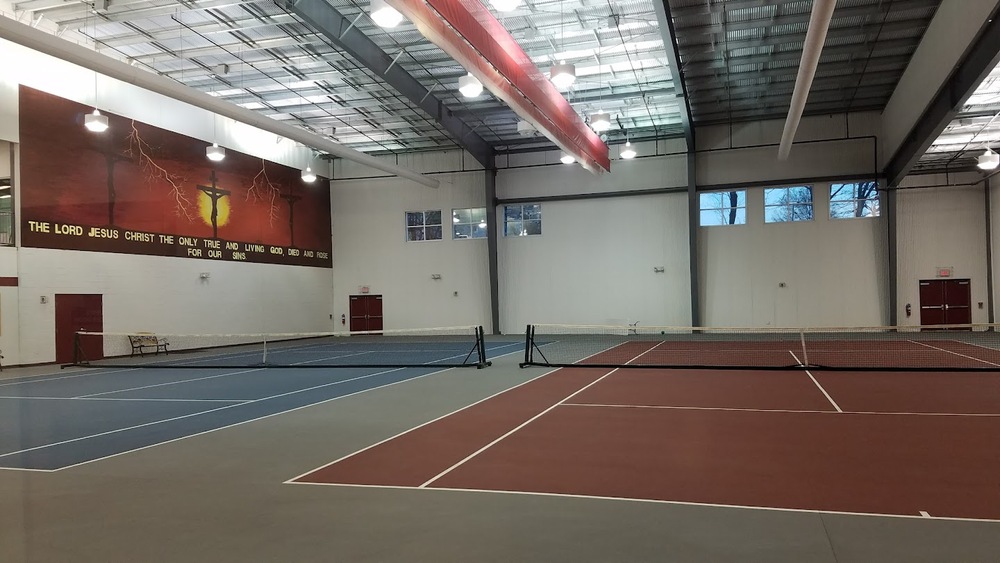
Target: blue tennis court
(55,421)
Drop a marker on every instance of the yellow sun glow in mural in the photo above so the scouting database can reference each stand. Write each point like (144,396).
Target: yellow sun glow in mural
(205,209)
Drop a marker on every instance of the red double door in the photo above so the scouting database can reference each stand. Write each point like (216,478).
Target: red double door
(78,312)
(366,313)
(945,302)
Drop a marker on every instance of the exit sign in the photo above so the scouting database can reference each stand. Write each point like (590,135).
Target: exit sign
(945,272)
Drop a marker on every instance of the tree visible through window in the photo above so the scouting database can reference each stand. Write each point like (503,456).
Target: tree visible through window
(522,220)
(423,225)
(858,199)
(468,223)
(794,203)
(723,208)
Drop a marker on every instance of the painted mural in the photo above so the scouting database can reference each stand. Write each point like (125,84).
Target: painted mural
(139,189)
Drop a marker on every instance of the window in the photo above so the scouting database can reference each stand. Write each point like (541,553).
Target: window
(859,199)
(794,203)
(468,223)
(724,208)
(522,220)
(6,213)
(423,225)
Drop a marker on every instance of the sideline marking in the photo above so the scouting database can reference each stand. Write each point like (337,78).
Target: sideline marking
(117,430)
(324,401)
(407,431)
(825,394)
(792,411)
(924,514)
(655,501)
(955,353)
(525,423)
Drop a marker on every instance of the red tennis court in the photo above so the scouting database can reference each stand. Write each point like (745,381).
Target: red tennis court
(896,443)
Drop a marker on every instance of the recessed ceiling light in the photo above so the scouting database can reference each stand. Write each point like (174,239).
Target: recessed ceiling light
(567,159)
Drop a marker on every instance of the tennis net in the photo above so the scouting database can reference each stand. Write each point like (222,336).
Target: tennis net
(912,348)
(432,347)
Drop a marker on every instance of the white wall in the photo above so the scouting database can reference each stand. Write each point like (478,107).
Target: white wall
(158,294)
(832,269)
(370,249)
(838,145)
(942,226)
(594,261)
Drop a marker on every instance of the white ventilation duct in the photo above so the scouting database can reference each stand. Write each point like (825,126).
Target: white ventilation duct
(70,52)
(819,23)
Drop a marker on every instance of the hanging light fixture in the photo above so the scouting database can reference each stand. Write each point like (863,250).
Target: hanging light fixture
(215,153)
(627,152)
(95,122)
(383,14)
(600,121)
(308,176)
(505,5)
(470,86)
(563,75)
(988,160)
(567,159)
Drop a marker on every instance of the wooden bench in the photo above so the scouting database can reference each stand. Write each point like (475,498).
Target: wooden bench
(145,341)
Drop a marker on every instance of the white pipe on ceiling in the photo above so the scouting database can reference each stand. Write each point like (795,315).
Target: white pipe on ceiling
(43,42)
(819,23)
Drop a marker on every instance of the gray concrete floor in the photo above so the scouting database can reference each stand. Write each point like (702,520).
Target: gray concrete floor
(219,497)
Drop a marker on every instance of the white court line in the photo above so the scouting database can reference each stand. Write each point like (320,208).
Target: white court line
(407,431)
(38,378)
(209,431)
(179,381)
(924,514)
(525,423)
(792,411)
(28,469)
(955,353)
(650,501)
(825,394)
(29,398)
(115,431)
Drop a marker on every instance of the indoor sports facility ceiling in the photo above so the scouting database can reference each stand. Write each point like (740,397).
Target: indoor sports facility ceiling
(975,128)
(738,59)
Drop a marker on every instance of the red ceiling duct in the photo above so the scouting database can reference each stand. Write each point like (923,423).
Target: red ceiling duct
(469,33)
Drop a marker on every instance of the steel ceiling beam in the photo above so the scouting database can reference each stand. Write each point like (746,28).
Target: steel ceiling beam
(666,23)
(693,45)
(472,36)
(980,59)
(342,33)
(42,42)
